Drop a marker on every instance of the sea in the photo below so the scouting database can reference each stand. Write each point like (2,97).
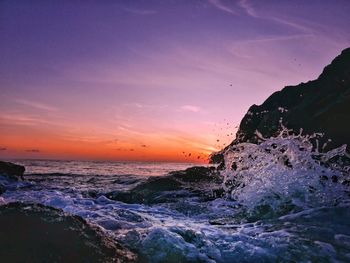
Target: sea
(283,201)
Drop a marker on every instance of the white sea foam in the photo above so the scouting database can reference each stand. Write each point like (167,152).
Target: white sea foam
(284,172)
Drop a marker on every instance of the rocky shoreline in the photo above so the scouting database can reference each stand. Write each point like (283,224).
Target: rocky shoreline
(38,233)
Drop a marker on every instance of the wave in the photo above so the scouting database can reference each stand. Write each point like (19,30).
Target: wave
(284,174)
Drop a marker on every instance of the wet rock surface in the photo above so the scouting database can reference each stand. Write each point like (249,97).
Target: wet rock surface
(178,184)
(11,170)
(37,233)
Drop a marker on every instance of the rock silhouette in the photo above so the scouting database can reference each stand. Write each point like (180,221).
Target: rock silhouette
(321,105)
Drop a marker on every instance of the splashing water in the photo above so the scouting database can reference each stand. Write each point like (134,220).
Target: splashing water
(285,173)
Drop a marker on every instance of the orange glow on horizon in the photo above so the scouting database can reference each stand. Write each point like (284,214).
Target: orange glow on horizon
(37,133)
(22,148)
(39,142)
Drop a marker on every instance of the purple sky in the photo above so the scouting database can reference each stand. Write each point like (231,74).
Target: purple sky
(157,73)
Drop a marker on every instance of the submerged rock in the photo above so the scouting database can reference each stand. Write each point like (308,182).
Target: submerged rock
(147,192)
(11,170)
(37,233)
(170,188)
(321,105)
(197,174)
(9,174)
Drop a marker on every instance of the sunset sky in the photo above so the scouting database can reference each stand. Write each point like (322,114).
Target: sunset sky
(151,80)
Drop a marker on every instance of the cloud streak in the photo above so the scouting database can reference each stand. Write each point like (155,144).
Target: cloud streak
(247,7)
(143,12)
(219,5)
(190,108)
(274,38)
(36,105)
(25,119)
(250,10)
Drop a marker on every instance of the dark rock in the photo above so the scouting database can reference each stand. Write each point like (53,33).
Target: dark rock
(90,193)
(158,184)
(215,193)
(196,174)
(346,182)
(147,192)
(129,197)
(334,178)
(321,105)
(11,170)
(160,189)
(2,189)
(36,233)
(324,178)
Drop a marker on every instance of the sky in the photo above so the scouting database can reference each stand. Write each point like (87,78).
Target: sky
(151,80)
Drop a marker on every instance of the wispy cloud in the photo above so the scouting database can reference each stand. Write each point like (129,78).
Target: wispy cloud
(143,12)
(138,105)
(246,5)
(24,119)
(290,24)
(249,9)
(36,105)
(219,5)
(252,49)
(3,149)
(274,38)
(144,106)
(191,108)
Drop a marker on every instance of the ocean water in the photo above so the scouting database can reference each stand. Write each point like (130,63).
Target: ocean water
(283,201)
(97,168)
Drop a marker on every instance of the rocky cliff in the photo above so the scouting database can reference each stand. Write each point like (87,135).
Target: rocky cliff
(321,105)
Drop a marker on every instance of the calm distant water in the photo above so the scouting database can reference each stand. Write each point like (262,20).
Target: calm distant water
(100,167)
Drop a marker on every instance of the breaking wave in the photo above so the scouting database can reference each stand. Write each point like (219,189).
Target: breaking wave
(286,173)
